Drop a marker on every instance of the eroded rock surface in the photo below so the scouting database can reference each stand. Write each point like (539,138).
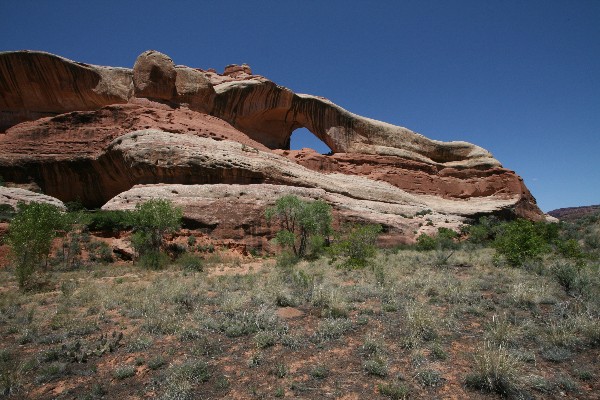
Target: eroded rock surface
(238,211)
(89,133)
(35,84)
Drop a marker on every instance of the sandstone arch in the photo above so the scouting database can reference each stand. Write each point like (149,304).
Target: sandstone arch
(256,115)
(269,113)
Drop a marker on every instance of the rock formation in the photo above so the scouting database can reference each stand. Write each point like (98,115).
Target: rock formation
(90,133)
(14,196)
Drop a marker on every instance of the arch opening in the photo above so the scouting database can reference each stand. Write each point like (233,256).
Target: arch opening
(303,138)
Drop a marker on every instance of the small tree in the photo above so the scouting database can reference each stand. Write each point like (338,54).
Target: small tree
(301,222)
(356,243)
(30,237)
(152,220)
(519,241)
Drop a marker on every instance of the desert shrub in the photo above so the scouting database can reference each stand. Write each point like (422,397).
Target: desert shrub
(571,277)
(264,339)
(393,391)
(571,249)
(376,366)
(420,324)
(100,251)
(52,371)
(113,220)
(356,243)
(124,372)
(156,362)
(30,237)
(279,370)
(483,231)
(446,238)
(191,262)
(286,260)
(549,232)
(429,377)
(300,222)
(494,370)
(425,242)
(191,241)
(192,371)
(319,371)
(373,345)
(520,241)
(330,329)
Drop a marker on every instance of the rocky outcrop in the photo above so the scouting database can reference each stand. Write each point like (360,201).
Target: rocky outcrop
(89,133)
(193,89)
(237,212)
(14,196)
(423,178)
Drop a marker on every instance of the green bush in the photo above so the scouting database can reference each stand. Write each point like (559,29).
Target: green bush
(30,237)
(356,243)
(114,220)
(482,231)
(393,391)
(124,372)
(300,222)
(191,262)
(520,241)
(446,238)
(100,251)
(570,249)
(426,242)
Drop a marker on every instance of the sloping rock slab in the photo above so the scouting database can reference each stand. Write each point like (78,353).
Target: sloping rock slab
(13,196)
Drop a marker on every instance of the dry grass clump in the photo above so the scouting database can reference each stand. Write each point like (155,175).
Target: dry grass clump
(494,370)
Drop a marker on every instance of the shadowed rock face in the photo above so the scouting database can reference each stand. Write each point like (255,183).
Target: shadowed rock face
(88,133)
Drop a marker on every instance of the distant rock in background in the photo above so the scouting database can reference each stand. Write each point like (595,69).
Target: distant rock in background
(574,213)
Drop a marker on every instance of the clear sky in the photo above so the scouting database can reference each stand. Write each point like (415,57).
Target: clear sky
(519,78)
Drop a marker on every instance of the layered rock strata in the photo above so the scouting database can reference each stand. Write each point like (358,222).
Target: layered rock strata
(89,133)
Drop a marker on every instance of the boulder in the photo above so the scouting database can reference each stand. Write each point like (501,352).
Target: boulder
(154,76)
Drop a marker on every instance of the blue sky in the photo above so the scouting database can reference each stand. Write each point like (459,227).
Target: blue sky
(519,78)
